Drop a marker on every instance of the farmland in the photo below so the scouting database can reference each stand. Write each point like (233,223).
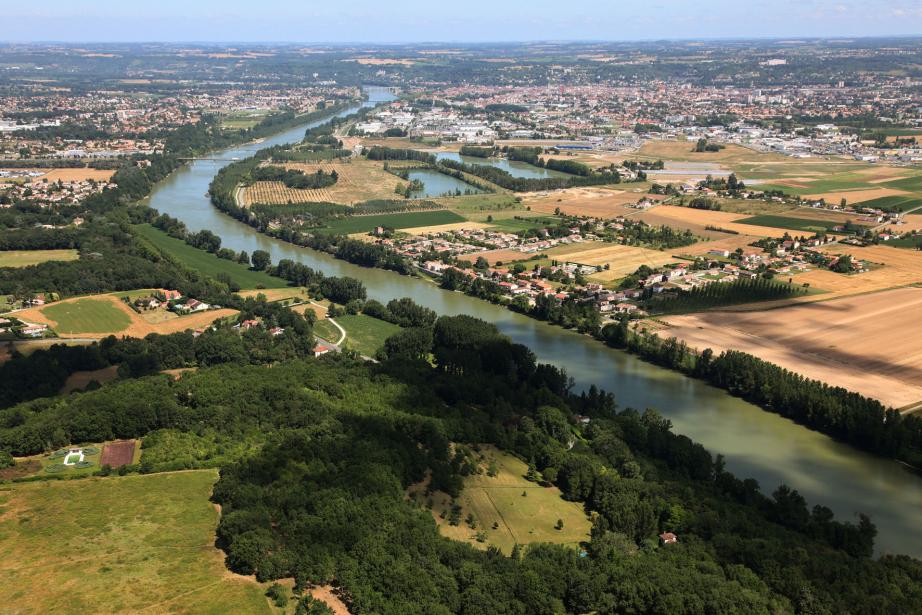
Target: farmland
(806,225)
(118,544)
(523,511)
(622,260)
(24,258)
(827,341)
(594,201)
(206,263)
(696,220)
(76,175)
(364,224)
(359,180)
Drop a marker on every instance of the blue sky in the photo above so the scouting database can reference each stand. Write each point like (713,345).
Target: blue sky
(441,20)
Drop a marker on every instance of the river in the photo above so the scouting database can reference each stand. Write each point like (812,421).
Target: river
(756,443)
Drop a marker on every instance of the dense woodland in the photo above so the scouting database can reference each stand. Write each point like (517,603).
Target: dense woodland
(337,442)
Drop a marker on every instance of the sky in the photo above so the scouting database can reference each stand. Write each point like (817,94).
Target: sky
(382,21)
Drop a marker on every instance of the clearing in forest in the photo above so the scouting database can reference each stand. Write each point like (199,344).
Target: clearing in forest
(507,509)
(24,258)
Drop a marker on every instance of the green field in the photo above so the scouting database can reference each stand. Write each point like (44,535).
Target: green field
(910,184)
(911,243)
(511,225)
(24,258)
(795,224)
(326,330)
(364,333)
(893,203)
(206,263)
(519,519)
(87,316)
(117,544)
(364,224)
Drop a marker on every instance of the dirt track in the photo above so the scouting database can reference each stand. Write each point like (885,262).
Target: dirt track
(870,344)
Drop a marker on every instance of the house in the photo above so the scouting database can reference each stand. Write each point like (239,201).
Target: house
(249,324)
(322,349)
(193,305)
(276,331)
(171,295)
(668,538)
(33,330)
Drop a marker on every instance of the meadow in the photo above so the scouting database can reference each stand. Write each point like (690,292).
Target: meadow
(24,258)
(118,544)
(206,263)
(787,222)
(509,509)
(364,334)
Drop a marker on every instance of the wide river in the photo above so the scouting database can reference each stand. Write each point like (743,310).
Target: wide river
(756,443)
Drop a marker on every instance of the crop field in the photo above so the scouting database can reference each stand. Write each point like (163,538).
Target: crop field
(910,184)
(493,257)
(622,260)
(898,268)
(827,340)
(74,175)
(101,315)
(855,197)
(87,316)
(364,224)
(523,512)
(896,203)
(24,258)
(590,201)
(206,263)
(365,334)
(811,225)
(682,151)
(697,219)
(116,545)
(359,180)
(444,228)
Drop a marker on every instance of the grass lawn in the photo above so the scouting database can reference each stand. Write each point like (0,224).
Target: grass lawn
(24,258)
(364,333)
(207,263)
(796,224)
(364,224)
(327,330)
(519,519)
(87,316)
(118,544)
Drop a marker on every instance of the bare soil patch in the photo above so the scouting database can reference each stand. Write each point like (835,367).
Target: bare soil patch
(118,454)
(78,380)
(497,256)
(697,219)
(73,175)
(22,468)
(856,196)
(871,344)
(621,260)
(597,202)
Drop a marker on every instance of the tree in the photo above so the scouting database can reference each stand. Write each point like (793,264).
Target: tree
(559,525)
(261,260)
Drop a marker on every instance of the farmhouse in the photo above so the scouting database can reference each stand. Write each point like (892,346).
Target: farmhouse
(33,330)
(668,538)
(322,349)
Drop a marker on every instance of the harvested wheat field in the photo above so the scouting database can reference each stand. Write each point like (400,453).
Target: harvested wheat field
(695,219)
(597,202)
(855,196)
(135,326)
(622,260)
(899,268)
(359,180)
(727,242)
(76,175)
(497,256)
(444,228)
(827,341)
(275,294)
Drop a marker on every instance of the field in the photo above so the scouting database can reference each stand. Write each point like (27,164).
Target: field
(593,201)
(622,260)
(900,268)
(102,315)
(697,219)
(87,316)
(359,180)
(117,544)
(793,223)
(206,263)
(74,175)
(78,380)
(897,203)
(416,219)
(365,334)
(24,258)
(118,454)
(519,519)
(870,344)
(327,330)
(682,151)
(497,256)
(444,228)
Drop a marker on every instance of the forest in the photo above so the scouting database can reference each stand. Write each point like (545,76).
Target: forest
(315,463)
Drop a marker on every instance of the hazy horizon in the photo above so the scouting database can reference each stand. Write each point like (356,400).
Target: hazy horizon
(476,21)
